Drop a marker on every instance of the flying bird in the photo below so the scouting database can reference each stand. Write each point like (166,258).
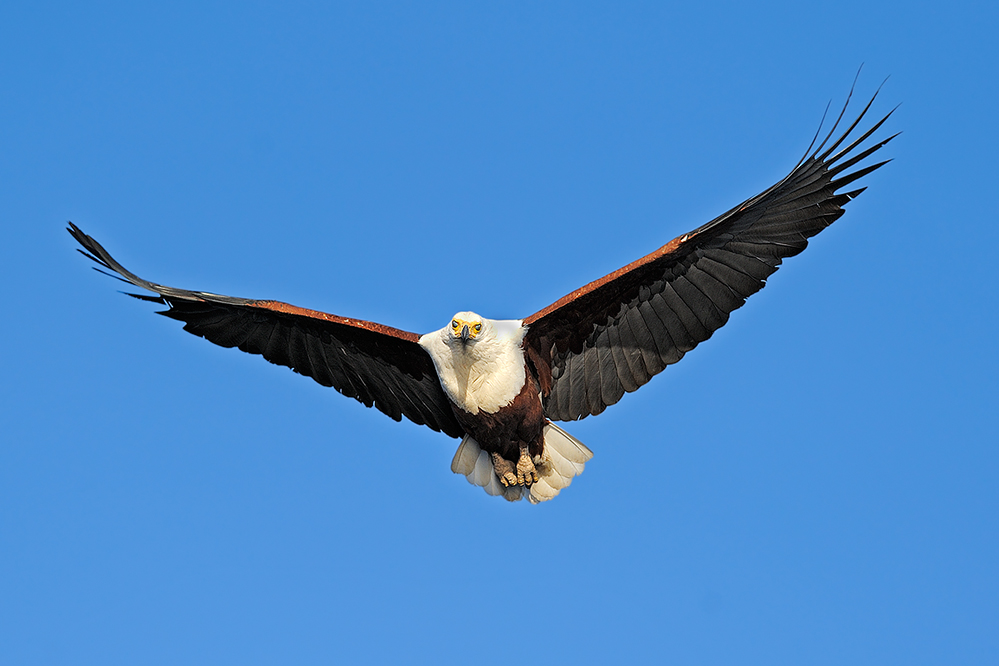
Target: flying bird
(499,385)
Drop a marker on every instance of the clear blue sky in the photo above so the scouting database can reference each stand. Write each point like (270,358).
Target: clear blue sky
(816,484)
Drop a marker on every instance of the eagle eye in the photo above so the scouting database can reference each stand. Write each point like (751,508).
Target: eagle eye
(454,323)
(478,327)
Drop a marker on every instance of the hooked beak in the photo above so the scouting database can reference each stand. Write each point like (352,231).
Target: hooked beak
(465,333)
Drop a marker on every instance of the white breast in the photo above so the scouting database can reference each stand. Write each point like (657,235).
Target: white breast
(486,374)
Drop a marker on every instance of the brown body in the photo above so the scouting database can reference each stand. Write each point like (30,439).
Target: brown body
(506,431)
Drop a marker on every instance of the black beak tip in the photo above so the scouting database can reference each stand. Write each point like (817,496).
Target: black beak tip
(464,333)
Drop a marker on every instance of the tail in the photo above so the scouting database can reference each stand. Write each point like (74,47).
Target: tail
(563,458)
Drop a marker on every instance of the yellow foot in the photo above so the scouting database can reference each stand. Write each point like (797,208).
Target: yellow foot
(505,470)
(527,474)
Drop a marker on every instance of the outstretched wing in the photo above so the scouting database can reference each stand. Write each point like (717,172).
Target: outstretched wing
(378,365)
(614,334)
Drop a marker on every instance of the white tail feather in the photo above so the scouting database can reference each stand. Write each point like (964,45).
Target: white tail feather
(564,458)
(483,472)
(464,457)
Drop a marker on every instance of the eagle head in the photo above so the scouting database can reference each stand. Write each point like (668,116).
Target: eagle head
(466,327)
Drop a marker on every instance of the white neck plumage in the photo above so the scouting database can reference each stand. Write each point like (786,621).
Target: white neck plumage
(484,372)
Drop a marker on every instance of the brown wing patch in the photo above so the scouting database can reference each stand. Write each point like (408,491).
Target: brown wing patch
(665,250)
(278,306)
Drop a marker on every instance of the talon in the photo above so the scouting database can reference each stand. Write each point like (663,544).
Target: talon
(526,472)
(504,470)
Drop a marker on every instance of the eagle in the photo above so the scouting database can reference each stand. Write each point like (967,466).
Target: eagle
(500,385)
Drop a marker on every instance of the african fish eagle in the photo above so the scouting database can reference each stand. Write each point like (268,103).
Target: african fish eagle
(498,385)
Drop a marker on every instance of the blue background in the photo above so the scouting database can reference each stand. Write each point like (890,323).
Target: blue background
(815,484)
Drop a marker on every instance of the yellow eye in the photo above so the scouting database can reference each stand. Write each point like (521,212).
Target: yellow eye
(454,323)
(478,327)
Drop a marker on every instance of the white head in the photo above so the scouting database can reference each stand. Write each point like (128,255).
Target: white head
(466,328)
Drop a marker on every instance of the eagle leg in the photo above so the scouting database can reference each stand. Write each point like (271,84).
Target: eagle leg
(505,471)
(527,473)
